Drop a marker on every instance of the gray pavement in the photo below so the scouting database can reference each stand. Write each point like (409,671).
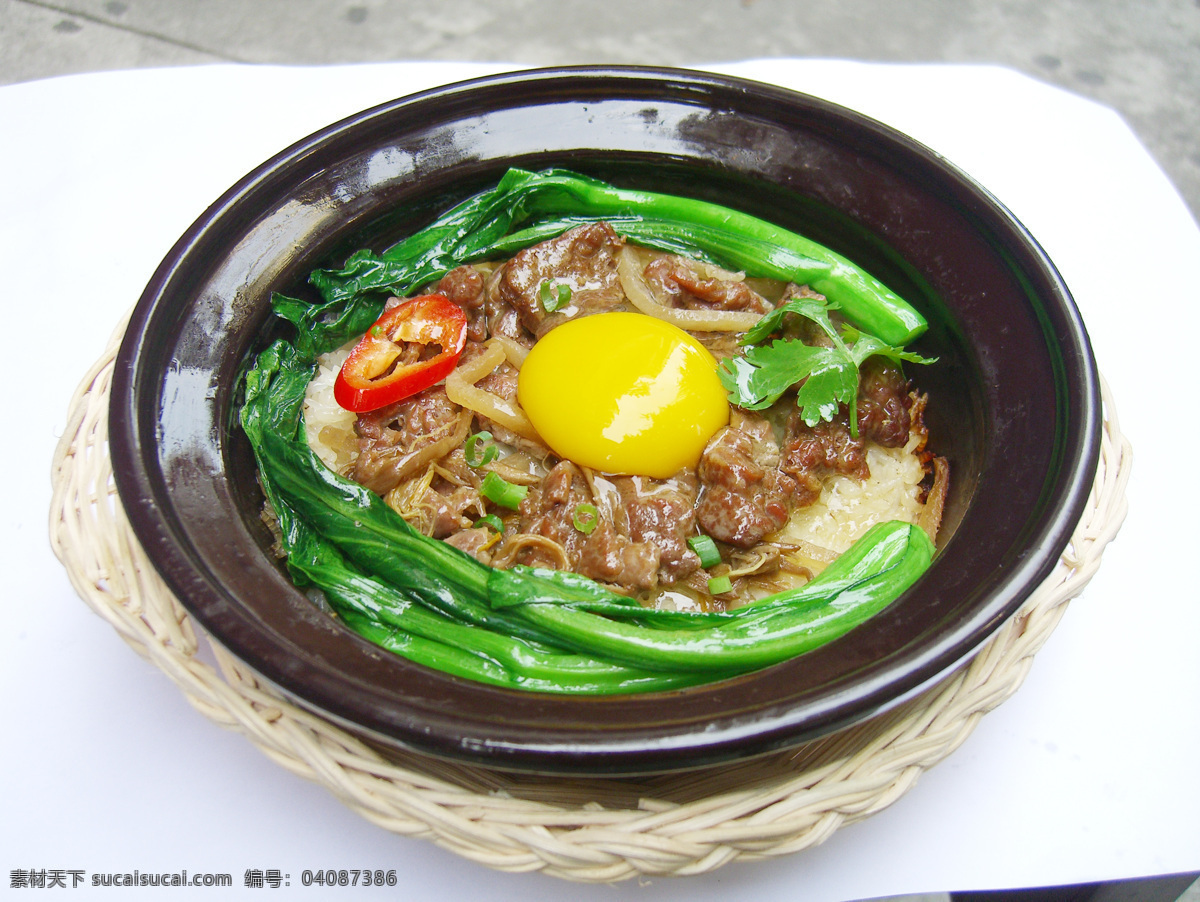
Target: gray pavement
(1140,57)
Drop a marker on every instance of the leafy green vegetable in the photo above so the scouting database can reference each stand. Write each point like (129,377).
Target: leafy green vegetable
(425,612)
(527,207)
(826,376)
(885,562)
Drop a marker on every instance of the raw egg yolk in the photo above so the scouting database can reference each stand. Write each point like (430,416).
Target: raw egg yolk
(623,393)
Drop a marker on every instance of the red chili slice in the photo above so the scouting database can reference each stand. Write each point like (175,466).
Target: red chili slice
(393,361)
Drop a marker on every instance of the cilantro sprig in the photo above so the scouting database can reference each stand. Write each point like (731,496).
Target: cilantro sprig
(825,377)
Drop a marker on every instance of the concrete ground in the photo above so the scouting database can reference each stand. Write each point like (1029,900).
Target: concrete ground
(1140,57)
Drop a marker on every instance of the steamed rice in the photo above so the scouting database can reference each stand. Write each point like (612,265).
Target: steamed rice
(329,427)
(847,507)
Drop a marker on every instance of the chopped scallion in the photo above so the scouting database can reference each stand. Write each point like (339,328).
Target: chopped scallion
(719,584)
(586,517)
(554,296)
(706,548)
(492,522)
(500,491)
(477,457)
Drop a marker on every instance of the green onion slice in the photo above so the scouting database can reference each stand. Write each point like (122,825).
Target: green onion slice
(706,548)
(720,584)
(492,522)
(500,491)
(477,457)
(554,296)
(586,517)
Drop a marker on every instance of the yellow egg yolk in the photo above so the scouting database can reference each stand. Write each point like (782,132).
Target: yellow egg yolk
(623,393)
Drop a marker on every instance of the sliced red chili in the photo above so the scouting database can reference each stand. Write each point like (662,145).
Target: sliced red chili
(412,346)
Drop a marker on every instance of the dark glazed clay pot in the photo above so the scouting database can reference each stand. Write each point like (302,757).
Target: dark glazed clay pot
(1014,399)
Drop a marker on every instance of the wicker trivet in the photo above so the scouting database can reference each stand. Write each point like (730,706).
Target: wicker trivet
(592,830)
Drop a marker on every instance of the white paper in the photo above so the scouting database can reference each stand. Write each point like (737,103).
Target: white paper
(1086,774)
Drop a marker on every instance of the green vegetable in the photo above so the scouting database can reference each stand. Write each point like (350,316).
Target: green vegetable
(554,297)
(387,617)
(858,585)
(415,615)
(687,239)
(585,517)
(706,549)
(527,207)
(497,489)
(828,376)
(491,521)
(475,457)
(719,585)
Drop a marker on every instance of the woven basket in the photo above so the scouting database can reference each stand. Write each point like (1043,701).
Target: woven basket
(588,830)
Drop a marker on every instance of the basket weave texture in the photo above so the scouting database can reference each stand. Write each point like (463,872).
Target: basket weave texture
(585,830)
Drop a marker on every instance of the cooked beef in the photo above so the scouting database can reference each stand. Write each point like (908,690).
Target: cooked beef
(473,541)
(679,283)
(825,447)
(722,345)
(488,313)
(603,554)
(828,447)
(662,513)
(450,507)
(744,497)
(584,259)
(452,499)
(396,441)
(464,286)
(883,403)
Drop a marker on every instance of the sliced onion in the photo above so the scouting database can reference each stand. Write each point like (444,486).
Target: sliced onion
(634,284)
(462,390)
(515,352)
